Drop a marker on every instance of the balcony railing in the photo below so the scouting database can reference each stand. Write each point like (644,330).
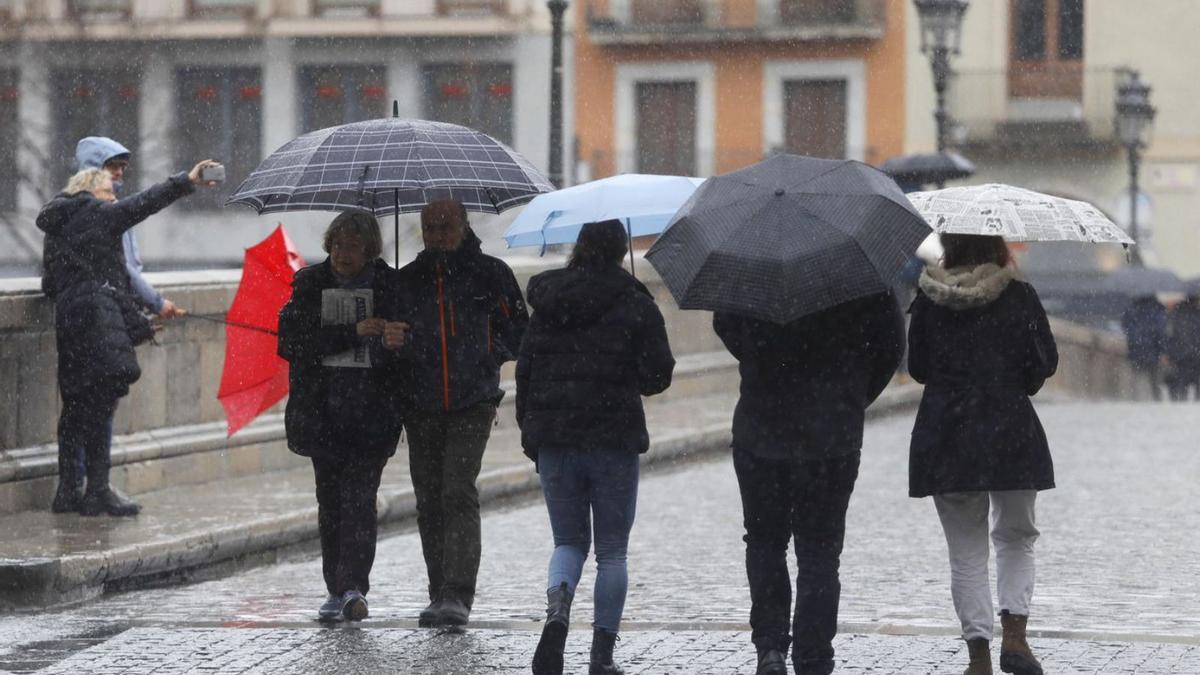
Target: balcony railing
(100,10)
(472,7)
(697,21)
(1075,112)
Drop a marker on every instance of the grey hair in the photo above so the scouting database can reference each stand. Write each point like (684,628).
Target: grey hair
(357,224)
(87,180)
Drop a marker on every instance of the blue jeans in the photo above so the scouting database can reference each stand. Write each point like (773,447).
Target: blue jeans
(577,486)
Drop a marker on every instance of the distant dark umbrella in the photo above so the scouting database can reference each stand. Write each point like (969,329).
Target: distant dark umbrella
(787,237)
(912,171)
(1192,286)
(391,166)
(1134,281)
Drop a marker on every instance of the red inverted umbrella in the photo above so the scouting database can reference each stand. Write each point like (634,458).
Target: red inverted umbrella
(255,378)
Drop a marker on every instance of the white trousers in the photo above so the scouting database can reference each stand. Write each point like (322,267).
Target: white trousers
(964,518)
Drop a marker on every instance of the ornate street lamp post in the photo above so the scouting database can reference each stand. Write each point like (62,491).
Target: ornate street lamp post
(557,9)
(941,36)
(1134,123)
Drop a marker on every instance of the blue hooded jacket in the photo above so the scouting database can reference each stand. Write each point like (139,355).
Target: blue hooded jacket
(92,153)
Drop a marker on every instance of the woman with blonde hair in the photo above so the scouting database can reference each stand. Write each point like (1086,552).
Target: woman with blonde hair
(98,323)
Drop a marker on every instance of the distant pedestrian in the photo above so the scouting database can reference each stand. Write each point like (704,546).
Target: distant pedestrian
(980,342)
(1144,323)
(98,322)
(797,439)
(1183,348)
(596,344)
(467,317)
(344,415)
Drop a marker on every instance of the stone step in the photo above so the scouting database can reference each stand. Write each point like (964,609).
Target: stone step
(228,524)
(201,453)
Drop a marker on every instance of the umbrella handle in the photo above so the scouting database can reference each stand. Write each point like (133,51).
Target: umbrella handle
(629,230)
(227,322)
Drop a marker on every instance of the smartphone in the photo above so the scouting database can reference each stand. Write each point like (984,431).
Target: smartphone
(213,173)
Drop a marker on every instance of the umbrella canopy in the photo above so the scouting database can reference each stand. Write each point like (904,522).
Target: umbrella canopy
(1016,214)
(391,165)
(644,202)
(787,237)
(933,167)
(254,377)
(1135,281)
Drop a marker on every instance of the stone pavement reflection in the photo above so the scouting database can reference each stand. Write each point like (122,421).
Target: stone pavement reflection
(1118,580)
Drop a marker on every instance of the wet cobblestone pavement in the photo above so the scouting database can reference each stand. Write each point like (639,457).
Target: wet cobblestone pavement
(1118,579)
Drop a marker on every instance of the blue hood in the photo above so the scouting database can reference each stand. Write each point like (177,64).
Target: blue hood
(92,152)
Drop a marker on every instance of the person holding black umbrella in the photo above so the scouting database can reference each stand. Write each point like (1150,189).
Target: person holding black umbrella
(980,342)
(467,316)
(343,411)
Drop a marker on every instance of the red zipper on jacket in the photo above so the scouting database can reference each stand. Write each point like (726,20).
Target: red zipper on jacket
(445,348)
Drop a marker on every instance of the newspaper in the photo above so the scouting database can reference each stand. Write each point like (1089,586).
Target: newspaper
(339,307)
(1015,214)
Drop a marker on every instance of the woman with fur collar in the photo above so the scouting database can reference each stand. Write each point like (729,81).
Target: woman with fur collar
(980,342)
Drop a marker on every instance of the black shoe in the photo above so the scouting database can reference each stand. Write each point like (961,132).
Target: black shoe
(107,500)
(454,612)
(354,606)
(771,662)
(548,659)
(431,615)
(68,498)
(331,609)
(602,654)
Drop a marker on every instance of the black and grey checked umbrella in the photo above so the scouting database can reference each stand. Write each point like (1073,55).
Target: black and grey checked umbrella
(788,237)
(388,165)
(391,166)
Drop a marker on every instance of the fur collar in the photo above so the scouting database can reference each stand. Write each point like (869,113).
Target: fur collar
(965,287)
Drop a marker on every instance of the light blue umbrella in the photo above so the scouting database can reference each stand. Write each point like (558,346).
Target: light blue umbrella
(644,202)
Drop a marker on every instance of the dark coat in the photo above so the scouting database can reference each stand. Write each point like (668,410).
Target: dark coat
(976,429)
(369,419)
(467,317)
(1145,326)
(595,345)
(1183,343)
(98,320)
(806,385)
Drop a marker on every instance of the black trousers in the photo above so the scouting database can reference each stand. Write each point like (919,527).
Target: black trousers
(85,429)
(445,452)
(804,501)
(346,517)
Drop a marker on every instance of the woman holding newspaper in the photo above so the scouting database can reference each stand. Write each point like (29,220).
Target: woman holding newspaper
(342,411)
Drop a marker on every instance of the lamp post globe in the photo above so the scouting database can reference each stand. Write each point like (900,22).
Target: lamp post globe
(1134,122)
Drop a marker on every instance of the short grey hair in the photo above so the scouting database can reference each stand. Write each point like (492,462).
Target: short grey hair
(358,224)
(88,180)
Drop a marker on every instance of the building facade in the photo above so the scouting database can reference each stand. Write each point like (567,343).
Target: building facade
(1033,104)
(699,87)
(233,80)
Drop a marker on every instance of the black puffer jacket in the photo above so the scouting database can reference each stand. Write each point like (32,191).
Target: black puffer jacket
(981,344)
(98,322)
(369,419)
(467,317)
(806,385)
(596,344)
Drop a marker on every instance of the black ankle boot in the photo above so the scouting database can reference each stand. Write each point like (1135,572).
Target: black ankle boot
(771,662)
(106,500)
(69,496)
(548,659)
(602,653)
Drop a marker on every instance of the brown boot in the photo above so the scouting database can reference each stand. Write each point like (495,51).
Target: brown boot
(1015,655)
(980,651)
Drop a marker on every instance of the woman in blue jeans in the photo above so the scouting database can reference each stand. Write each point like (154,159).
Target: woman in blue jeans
(595,345)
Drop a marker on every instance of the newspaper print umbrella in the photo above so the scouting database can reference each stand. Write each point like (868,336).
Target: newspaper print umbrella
(788,237)
(1016,214)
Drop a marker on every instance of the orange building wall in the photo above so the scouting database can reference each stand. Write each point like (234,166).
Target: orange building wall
(739,88)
